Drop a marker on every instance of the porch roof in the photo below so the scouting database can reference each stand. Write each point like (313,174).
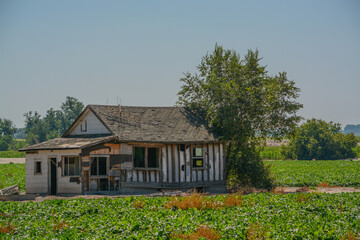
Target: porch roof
(70,142)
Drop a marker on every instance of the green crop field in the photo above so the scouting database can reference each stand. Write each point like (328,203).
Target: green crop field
(312,173)
(287,173)
(291,216)
(11,174)
(12,154)
(273,153)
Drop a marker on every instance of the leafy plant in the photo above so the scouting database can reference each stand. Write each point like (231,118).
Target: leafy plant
(275,216)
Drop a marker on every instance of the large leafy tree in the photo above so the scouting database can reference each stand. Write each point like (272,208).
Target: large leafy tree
(55,122)
(7,131)
(317,139)
(243,104)
(70,110)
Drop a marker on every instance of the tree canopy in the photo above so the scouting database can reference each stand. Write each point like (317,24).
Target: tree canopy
(317,139)
(7,131)
(55,122)
(243,104)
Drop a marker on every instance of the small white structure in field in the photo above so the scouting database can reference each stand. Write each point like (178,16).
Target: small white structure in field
(128,149)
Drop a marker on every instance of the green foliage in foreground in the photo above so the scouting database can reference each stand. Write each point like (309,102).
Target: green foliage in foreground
(291,216)
(312,173)
(12,154)
(12,174)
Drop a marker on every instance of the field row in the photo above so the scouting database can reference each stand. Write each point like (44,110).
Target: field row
(286,173)
(312,173)
(297,216)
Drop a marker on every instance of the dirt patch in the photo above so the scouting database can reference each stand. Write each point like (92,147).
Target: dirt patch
(11,160)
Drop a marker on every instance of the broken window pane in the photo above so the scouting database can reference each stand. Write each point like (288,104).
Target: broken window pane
(71,163)
(104,184)
(198,157)
(197,152)
(38,167)
(139,157)
(71,166)
(102,165)
(94,166)
(98,166)
(153,157)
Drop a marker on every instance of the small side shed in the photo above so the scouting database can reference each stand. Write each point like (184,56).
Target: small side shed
(128,149)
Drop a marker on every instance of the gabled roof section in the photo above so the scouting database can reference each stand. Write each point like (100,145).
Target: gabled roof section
(82,115)
(153,124)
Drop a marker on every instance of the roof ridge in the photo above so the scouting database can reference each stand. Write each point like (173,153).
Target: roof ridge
(101,105)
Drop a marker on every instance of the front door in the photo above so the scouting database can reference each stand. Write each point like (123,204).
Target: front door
(53,177)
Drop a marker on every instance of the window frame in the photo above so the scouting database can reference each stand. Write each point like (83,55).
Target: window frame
(196,158)
(146,158)
(36,161)
(83,126)
(64,163)
(97,165)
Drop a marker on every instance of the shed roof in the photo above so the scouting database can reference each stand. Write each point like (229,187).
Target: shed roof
(74,142)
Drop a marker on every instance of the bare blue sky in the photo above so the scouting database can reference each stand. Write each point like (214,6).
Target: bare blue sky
(138,50)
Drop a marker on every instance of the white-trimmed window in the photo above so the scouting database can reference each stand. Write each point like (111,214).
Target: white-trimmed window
(37,167)
(198,157)
(71,166)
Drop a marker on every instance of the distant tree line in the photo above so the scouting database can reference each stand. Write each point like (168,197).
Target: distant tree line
(350,128)
(39,129)
(317,139)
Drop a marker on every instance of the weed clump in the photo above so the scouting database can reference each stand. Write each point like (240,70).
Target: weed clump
(254,231)
(202,232)
(302,197)
(201,202)
(139,204)
(323,184)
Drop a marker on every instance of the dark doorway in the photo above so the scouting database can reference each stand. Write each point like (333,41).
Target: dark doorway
(53,178)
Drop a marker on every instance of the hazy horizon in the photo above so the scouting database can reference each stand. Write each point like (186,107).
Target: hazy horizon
(99,52)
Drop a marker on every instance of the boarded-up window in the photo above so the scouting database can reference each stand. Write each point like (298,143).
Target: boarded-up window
(98,166)
(198,157)
(37,166)
(71,166)
(139,157)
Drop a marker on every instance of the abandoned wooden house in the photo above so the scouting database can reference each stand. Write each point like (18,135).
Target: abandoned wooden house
(128,150)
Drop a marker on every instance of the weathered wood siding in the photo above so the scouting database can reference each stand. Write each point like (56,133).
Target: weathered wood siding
(40,183)
(176,166)
(93,125)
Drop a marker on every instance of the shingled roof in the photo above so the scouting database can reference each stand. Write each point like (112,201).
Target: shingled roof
(153,124)
(136,124)
(69,143)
